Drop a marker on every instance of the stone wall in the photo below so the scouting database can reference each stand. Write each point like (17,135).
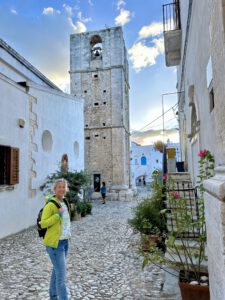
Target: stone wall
(215,187)
(196,118)
(103,84)
(206,41)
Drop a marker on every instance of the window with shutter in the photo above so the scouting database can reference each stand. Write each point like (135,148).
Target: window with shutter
(9,165)
(14,166)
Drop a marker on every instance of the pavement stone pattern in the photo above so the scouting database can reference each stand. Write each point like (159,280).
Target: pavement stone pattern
(103,261)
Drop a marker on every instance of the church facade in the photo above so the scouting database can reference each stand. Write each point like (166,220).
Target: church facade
(99,75)
(40,126)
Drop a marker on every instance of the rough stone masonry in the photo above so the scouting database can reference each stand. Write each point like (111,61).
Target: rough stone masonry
(99,75)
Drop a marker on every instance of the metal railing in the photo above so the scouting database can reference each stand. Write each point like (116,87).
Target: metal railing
(171,16)
(185,190)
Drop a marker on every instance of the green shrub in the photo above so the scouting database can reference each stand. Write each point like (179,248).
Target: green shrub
(77,181)
(83,209)
(147,217)
(88,207)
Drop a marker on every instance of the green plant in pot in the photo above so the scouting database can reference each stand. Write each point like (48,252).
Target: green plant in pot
(185,254)
(76,182)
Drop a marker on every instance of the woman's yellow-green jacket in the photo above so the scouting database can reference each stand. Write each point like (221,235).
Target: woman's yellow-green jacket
(52,220)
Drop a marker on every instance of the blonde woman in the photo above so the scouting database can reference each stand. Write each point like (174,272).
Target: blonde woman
(56,240)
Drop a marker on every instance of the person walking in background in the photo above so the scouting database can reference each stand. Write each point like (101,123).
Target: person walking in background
(90,189)
(103,192)
(56,239)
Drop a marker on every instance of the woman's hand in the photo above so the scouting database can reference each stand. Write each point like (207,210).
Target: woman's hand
(61,210)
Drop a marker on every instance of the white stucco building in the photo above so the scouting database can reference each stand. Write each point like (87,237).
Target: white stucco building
(144,160)
(40,126)
(195,43)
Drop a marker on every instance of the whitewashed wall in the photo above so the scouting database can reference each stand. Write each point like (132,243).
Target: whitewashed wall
(152,157)
(42,108)
(195,75)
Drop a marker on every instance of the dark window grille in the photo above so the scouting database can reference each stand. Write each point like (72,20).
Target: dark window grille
(188,192)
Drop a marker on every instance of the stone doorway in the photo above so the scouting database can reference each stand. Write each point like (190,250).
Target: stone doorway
(97,182)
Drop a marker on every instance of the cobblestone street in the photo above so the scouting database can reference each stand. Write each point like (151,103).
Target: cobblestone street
(102,263)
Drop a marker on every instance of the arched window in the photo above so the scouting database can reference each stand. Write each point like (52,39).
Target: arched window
(96,47)
(143,161)
(47,141)
(64,163)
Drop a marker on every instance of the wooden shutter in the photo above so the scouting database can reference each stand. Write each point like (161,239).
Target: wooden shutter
(14,166)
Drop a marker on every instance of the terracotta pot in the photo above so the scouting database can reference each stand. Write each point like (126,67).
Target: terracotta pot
(194,292)
(148,239)
(76,217)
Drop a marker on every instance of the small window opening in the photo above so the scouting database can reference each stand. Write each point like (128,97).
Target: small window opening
(104,137)
(95,75)
(104,103)
(211,99)
(103,124)
(87,138)
(96,103)
(86,125)
(104,91)
(96,135)
(85,92)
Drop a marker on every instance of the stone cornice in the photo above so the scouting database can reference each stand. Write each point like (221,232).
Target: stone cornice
(106,127)
(215,186)
(89,70)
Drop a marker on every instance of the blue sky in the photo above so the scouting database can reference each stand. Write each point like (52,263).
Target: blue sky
(39,30)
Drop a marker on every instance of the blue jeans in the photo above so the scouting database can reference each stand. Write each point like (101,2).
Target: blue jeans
(58,255)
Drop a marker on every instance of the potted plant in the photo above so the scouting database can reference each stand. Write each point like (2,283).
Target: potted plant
(159,146)
(184,254)
(76,182)
(147,218)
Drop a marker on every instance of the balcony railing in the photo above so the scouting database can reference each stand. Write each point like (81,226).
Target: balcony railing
(171,16)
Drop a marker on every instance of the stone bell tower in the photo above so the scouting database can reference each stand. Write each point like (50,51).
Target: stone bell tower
(99,75)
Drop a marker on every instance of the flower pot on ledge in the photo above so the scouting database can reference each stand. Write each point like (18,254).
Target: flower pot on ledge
(148,240)
(193,292)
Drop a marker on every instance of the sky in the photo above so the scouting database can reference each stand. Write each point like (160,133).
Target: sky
(39,30)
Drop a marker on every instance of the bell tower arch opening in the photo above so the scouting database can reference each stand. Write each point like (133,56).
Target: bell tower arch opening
(96,47)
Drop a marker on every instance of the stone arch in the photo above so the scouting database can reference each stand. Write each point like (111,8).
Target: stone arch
(96,47)
(64,163)
(47,141)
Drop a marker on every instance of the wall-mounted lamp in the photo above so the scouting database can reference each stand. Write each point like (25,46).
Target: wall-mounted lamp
(21,123)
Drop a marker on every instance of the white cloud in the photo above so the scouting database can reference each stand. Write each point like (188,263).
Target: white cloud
(79,26)
(153,29)
(143,56)
(13,11)
(82,19)
(26,36)
(123,18)
(120,4)
(68,10)
(90,2)
(50,11)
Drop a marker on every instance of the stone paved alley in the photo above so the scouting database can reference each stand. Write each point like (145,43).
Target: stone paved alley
(102,263)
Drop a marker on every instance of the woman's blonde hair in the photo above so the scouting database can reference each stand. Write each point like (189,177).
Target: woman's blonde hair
(60,180)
